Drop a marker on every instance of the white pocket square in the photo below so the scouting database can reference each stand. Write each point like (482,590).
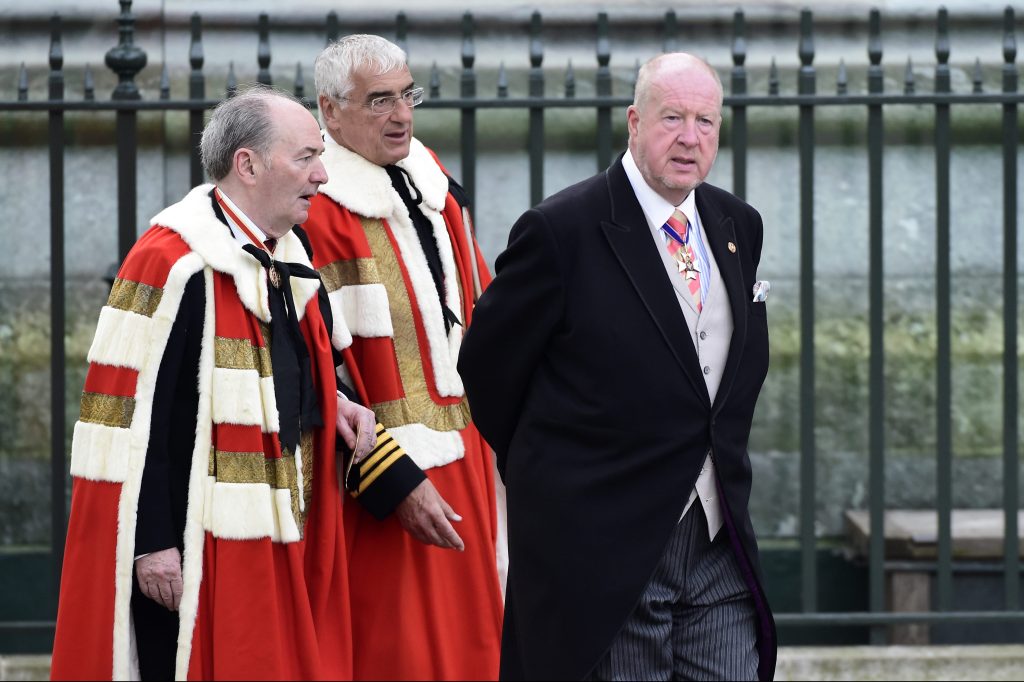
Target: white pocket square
(761,289)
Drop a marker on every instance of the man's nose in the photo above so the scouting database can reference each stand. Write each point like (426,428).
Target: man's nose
(402,112)
(318,174)
(688,134)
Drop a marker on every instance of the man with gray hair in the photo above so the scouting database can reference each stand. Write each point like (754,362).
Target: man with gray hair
(206,538)
(614,364)
(392,241)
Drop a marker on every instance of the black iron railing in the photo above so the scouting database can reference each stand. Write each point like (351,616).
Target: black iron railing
(126,60)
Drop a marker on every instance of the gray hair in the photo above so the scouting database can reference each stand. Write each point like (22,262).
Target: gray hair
(243,121)
(333,69)
(653,67)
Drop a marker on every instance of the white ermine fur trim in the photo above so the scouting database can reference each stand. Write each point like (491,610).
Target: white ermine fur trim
(365,189)
(237,396)
(100,452)
(195,536)
(271,418)
(429,448)
(121,340)
(193,218)
(249,511)
(162,320)
(365,310)
(299,477)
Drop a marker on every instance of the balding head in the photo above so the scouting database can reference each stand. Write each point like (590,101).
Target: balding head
(674,123)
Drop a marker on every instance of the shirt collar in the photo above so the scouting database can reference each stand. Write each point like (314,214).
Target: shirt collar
(235,232)
(656,209)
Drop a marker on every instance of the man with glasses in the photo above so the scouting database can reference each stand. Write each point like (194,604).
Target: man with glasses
(392,242)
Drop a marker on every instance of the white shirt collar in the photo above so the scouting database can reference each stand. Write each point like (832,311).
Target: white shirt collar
(235,232)
(656,209)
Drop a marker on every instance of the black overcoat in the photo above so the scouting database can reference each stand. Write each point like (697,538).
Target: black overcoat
(582,376)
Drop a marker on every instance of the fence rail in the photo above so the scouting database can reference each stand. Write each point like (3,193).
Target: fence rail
(127,60)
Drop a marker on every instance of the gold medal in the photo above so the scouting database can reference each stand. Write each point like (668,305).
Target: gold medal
(275,278)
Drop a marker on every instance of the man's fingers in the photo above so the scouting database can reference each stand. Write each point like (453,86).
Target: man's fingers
(347,434)
(166,596)
(449,538)
(448,511)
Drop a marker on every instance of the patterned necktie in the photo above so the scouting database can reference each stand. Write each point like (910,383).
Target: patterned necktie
(677,228)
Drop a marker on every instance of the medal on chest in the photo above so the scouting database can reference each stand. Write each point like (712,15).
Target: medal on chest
(275,277)
(687,266)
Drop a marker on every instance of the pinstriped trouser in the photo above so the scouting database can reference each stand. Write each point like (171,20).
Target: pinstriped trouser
(695,619)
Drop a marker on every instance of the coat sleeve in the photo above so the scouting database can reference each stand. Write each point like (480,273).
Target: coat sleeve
(512,325)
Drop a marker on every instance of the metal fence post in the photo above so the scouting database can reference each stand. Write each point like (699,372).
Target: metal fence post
(468,92)
(808,512)
(1011,397)
(196,91)
(536,90)
(58,452)
(263,51)
(943,303)
(604,89)
(739,111)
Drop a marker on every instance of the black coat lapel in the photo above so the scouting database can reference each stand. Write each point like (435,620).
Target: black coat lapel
(721,232)
(629,237)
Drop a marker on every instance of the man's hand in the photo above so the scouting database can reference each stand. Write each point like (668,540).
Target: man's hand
(426,516)
(354,419)
(159,576)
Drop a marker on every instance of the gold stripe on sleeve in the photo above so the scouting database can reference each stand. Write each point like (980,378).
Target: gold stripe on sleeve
(134,297)
(109,410)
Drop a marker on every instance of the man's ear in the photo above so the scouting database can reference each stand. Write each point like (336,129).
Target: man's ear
(244,165)
(328,110)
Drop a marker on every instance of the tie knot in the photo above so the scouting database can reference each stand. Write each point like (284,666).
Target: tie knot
(271,244)
(679,223)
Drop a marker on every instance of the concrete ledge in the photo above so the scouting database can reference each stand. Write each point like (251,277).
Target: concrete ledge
(974,662)
(25,667)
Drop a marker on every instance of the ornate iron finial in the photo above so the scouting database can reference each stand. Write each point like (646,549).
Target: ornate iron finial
(468,52)
(263,50)
(604,50)
(536,41)
(332,27)
(196,80)
(908,78)
(670,43)
(56,59)
(402,33)
(126,59)
(570,81)
(739,38)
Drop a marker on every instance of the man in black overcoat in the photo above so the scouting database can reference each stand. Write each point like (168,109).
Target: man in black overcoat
(614,364)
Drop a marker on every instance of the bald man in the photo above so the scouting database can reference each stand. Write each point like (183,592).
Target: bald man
(614,364)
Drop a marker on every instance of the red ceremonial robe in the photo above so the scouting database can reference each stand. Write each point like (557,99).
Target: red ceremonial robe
(265,580)
(419,612)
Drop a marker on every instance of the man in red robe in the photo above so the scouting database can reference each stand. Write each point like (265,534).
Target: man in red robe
(206,539)
(393,245)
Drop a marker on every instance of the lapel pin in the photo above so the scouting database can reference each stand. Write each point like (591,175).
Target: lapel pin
(732,248)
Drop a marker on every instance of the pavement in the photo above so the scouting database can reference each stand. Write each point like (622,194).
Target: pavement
(974,662)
